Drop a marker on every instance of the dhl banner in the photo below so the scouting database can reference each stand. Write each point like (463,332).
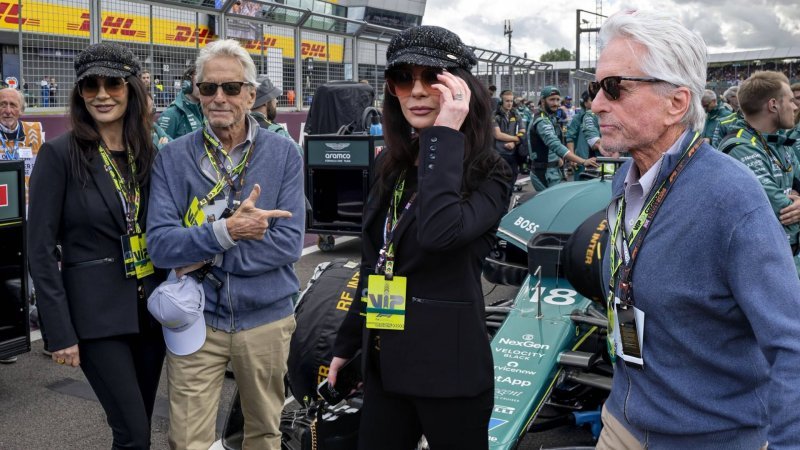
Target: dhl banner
(58,19)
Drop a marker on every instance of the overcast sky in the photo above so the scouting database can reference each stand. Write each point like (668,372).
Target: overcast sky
(542,25)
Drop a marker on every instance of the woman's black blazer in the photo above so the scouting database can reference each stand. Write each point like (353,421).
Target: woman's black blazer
(90,296)
(441,243)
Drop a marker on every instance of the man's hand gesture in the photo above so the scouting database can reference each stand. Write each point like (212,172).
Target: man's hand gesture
(249,222)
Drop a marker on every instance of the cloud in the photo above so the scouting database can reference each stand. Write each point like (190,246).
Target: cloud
(726,25)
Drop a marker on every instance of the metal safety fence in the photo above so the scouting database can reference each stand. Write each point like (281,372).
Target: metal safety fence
(299,49)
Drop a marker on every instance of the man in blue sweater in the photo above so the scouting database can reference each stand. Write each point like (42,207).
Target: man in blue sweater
(229,198)
(703,295)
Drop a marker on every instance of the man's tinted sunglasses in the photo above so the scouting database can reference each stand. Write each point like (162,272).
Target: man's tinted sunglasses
(612,85)
(228,88)
(401,81)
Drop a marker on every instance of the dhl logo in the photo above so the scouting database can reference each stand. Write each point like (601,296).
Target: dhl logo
(267,42)
(188,34)
(112,25)
(316,50)
(9,13)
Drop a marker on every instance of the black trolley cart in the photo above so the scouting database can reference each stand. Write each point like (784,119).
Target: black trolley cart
(339,156)
(338,170)
(14,326)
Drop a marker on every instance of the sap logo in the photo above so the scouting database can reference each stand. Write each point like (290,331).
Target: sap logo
(337,145)
(385,301)
(345,156)
(527,225)
(188,34)
(526,344)
(512,381)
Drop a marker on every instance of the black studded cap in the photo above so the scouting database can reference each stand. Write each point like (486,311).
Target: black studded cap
(106,59)
(429,46)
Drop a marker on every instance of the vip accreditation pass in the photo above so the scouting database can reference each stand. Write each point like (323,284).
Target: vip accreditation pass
(386,305)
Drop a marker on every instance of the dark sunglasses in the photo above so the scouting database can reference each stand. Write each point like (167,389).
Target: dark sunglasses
(228,88)
(401,81)
(612,85)
(89,87)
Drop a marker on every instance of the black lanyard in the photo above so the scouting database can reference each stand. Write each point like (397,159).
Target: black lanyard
(622,267)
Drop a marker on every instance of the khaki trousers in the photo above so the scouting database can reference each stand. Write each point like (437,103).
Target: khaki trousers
(615,436)
(258,357)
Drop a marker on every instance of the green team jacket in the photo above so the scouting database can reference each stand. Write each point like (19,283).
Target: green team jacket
(581,130)
(766,165)
(547,131)
(724,128)
(713,118)
(273,127)
(159,133)
(181,117)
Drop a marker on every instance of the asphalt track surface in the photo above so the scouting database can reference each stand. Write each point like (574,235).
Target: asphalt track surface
(44,406)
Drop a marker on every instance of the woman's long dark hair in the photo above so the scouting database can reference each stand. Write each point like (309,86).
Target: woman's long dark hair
(480,158)
(136,130)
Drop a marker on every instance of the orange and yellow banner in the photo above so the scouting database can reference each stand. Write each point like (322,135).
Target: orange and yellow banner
(63,20)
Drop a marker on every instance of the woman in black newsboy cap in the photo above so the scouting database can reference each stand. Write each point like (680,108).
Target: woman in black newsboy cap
(88,193)
(429,221)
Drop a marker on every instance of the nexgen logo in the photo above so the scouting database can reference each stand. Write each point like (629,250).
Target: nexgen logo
(3,195)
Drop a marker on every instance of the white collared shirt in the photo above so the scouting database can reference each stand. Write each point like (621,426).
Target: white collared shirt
(637,188)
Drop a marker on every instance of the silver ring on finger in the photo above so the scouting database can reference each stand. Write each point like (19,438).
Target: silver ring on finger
(458,97)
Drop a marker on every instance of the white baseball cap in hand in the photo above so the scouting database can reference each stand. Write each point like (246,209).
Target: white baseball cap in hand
(177,304)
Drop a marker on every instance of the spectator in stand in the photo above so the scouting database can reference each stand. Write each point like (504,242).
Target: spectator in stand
(45,91)
(53,91)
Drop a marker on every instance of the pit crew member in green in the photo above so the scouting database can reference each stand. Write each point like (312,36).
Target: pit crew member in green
(583,133)
(766,102)
(523,111)
(544,143)
(184,115)
(715,113)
